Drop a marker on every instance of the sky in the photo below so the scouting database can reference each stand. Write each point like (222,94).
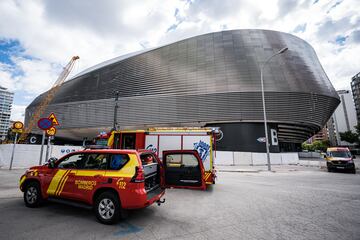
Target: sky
(39,37)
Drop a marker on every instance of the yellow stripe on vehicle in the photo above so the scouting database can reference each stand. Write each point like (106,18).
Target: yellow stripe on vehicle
(22,180)
(207,176)
(55,181)
(89,173)
(62,182)
(62,185)
(111,140)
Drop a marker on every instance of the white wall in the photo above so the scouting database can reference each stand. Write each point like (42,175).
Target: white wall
(249,158)
(27,155)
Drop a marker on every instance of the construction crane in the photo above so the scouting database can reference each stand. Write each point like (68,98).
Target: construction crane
(46,100)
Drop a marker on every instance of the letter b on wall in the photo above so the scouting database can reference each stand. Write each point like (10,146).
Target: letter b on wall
(274,138)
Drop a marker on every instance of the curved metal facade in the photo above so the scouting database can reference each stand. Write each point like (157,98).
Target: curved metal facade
(212,78)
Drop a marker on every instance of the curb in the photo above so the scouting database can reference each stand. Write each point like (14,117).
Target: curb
(256,171)
(238,170)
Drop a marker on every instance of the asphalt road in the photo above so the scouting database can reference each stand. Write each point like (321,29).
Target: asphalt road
(302,204)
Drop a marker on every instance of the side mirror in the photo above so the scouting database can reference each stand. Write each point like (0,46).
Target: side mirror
(51,162)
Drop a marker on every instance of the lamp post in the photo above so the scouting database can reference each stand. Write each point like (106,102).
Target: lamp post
(116,109)
(263,102)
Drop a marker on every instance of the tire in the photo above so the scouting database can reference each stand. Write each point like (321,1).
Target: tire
(32,195)
(329,169)
(353,171)
(107,208)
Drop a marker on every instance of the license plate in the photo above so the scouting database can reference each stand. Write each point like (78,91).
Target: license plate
(340,167)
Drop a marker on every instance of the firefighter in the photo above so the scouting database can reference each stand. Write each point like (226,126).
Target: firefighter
(149,159)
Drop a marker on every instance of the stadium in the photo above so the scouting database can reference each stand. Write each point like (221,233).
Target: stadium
(209,80)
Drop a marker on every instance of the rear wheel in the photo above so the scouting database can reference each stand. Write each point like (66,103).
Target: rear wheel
(107,208)
(32,195)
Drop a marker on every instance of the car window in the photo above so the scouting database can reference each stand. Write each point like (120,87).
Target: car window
(340,154)
(189,160)
(117,161)
(181,160)
(74,161)
(95,161)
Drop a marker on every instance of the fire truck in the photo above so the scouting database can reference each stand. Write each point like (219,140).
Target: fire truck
(180,172)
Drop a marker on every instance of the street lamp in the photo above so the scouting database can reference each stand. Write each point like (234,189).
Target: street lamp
(116,109)
(263,102)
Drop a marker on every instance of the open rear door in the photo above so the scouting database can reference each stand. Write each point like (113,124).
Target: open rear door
(183,169)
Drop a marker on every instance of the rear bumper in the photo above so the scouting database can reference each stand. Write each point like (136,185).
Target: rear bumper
(138,198)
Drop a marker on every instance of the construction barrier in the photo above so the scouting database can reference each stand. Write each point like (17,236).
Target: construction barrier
(27,155)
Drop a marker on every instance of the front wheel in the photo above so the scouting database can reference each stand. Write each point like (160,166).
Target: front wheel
(353,171)
(107,208)
(32,195)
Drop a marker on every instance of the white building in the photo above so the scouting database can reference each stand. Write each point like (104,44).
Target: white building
(344,118)
(6,100)
(345,113)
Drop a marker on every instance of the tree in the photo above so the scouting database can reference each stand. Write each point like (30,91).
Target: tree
(307,147)
(321,145)
(349,136)
(316,145)
(357,128)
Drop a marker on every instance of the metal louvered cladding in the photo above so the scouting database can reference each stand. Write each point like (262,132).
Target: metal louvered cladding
(209,78)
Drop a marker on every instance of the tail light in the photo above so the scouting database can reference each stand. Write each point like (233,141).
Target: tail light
(139,175)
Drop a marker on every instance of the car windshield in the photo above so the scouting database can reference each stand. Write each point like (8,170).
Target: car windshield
(340,154)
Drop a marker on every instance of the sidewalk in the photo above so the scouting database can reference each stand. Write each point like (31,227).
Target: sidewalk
(264,168)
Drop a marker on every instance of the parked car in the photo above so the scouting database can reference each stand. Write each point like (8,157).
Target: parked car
(339,158)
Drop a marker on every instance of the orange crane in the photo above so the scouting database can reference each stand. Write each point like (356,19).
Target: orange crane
(46,100)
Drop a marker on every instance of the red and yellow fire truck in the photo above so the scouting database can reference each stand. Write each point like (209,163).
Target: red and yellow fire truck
(160,140)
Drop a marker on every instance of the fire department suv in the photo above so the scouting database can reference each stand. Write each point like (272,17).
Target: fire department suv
(111,180)
(108,180)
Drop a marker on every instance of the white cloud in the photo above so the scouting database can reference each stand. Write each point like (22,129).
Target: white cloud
(18,112)
(6,79)
(52,31)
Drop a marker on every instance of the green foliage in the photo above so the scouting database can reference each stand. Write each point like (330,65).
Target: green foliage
(357,128)
(316,145)
(349,136)
(307,147)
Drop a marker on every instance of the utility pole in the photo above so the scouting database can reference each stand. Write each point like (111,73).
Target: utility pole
(13,151)
(42,147)
(116,109)
(263,103)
